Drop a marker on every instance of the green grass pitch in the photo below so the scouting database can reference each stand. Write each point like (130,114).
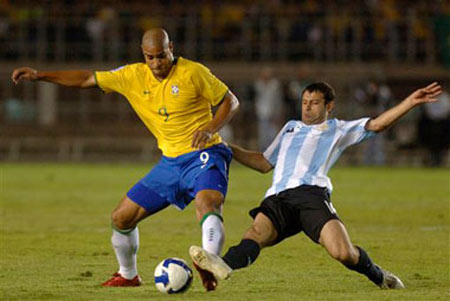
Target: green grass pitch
(55,236)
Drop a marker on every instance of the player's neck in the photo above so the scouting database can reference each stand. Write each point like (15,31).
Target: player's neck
(315,122)
(163,77)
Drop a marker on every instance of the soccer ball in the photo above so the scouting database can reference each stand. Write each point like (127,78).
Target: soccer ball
(173,275)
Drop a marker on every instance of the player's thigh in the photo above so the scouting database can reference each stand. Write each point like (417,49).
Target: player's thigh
(210,189)
(284,220)
(139,203)
(335,239)
(262,231)
(127,214)
(162,181)
(315,209)
(206,178)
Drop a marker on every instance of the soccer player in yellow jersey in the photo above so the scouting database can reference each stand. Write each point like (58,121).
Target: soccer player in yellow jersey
(173,97)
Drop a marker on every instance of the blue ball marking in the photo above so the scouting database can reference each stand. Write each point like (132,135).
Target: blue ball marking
(178,262)
(163,278)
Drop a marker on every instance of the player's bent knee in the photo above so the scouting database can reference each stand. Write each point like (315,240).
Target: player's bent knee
(255,231)
(122,221)
(254,234)
(208,200)
(344,254)
(127,214)
(264,236)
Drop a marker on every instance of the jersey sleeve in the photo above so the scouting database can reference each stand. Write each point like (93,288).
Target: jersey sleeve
(271,153)
(113,80)
(208,86)
(354,132)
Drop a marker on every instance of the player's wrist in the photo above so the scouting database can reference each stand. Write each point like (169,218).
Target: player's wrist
(411,102)
(209,134)
(208,130)
(38,75)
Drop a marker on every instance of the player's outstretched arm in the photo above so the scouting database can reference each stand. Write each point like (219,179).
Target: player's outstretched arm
(418,97)
(252,159)
(227,108)
(70,78)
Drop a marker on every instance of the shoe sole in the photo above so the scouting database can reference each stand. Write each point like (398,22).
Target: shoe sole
(200,258)
(209,281)
(138,282)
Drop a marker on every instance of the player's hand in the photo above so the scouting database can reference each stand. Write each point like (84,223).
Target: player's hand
(427,94)
(201,138)
(24,73)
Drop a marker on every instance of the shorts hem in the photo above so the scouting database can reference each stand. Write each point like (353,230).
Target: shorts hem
(316,237)
(254,212)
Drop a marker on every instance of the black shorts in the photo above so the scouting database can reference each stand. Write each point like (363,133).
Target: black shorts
(304,208)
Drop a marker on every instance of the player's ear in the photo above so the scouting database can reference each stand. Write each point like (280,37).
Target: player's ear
(171,46)
(330,106)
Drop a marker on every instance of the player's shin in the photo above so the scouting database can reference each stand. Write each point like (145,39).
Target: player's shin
(242,255)
(367,267)
(213,234)
(126,244)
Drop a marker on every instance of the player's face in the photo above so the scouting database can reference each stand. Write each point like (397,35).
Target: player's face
(159,59)
(314,109)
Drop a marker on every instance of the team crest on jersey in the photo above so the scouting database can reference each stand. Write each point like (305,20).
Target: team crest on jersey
(292,129)
(175,90)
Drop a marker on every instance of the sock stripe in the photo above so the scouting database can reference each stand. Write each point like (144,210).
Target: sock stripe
(208,214)
(124,231)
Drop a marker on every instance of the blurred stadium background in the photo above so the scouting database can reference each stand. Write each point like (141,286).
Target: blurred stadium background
(374,52)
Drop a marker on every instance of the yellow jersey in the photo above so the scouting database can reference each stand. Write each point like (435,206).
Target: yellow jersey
(172,109)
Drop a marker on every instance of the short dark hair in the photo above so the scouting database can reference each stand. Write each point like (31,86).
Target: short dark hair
(322,87)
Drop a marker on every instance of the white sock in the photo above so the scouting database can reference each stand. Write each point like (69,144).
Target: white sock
(126,247)
(213,234)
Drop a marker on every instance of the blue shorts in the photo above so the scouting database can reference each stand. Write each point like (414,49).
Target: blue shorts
(176,181)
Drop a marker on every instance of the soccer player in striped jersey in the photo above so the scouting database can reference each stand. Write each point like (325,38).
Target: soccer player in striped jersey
(173,97)
(299,198)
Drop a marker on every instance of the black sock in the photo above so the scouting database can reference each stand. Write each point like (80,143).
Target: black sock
(367,267)
(242,255)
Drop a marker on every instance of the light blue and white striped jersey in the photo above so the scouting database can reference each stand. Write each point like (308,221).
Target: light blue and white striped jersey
(303,154)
